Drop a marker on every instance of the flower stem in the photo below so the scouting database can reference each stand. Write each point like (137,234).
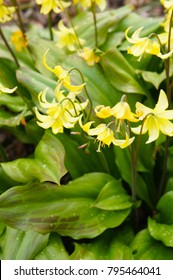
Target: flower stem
(9,48)
(50,25)
(93,7)
(86,92)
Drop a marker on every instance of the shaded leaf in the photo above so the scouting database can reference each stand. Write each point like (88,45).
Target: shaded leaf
(165,208)
(68,210)
(54,250)
(48,164)
(144,247)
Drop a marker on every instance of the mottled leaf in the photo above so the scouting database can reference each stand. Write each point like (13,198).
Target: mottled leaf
(68,210)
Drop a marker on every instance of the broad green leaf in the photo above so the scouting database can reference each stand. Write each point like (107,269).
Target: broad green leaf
(34,82)
(144,247)
(108,246)
(54,250)
(120,73)
(153,77)
(14,103)
(165,208)
(6,182)
(161,232)
(68,210)
(113,197)
(20,245)
(77,161)
(8,78)
(48,164)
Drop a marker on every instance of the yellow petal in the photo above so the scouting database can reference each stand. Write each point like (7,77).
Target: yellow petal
(162,103)
(153,129)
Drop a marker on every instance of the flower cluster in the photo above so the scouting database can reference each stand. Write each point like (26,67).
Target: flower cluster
(153,43)
(20,40)
(65,109)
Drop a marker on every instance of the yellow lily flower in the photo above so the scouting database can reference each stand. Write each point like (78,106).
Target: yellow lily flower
(20,40)
(56,5)
(67,37)
(103,112)
(144,45)
(87,4)
(63,111)
(164,36)
(63,76)
(105,135)
(89,56)
(6,90)
(6,12)
(155,120)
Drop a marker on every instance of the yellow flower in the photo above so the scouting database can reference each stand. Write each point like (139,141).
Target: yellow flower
(144,45)
(63,76)
(87,3)
(6,13)
(164,36)
(105,135)
(155,120)
(102,111)
(6,90)
(67,37)
(20,40)
(89,56)
(63,111)
(56,5)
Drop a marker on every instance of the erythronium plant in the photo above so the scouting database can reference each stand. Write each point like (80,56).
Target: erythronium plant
(97,120)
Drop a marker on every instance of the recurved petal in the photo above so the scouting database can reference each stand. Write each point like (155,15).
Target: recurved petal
(123,143)
(142,110)
(102,111)
(162,103)
(166,127)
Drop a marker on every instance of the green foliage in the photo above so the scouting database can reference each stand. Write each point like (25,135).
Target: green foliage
(77,194)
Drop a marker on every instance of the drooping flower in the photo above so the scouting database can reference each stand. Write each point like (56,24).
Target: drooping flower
(6,90)
(20,40)
(105,135)
(6,12)
(87,4)
(143,45)
(164,36)
(62,112)
(67,37)
(89,55)
(63,76)
(155,120)
(56,5)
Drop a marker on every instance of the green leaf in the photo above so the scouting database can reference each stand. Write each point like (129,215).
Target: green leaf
(10,120)
(153,77)
(48,164)
(115,65)
(34,82)
(144,247)
(68,210)
(54,250)
(20,245)
(14,103)
(106,22)
(122,158)
(161,232)
(165,208)
(77,161)
(113,197)
(108,246)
